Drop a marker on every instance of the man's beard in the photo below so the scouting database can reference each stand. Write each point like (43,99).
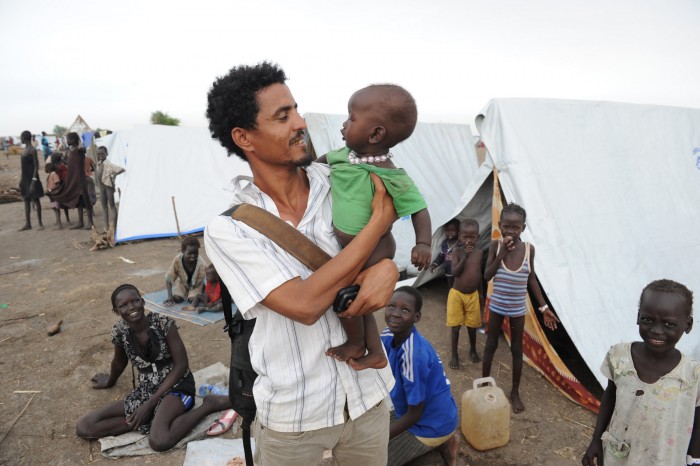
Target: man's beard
(302,163)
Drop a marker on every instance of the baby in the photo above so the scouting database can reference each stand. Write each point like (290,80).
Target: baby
(379,117)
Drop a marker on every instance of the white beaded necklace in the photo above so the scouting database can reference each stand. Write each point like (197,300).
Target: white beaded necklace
(354,158)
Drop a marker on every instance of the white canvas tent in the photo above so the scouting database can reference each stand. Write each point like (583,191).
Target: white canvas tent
(166,162)
(612,193)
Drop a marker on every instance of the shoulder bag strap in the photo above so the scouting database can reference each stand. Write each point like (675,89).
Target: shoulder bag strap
(286,236)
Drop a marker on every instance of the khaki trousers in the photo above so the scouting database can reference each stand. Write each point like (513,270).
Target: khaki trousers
(363,441)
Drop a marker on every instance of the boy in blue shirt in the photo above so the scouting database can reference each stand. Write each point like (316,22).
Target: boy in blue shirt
(425,413)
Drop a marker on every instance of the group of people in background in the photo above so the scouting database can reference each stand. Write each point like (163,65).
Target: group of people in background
(73,181)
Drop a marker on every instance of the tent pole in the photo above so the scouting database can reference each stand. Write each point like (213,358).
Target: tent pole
(177,222)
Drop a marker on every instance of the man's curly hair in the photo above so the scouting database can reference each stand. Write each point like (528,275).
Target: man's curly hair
(232,100)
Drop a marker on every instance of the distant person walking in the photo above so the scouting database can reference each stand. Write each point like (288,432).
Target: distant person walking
(45,148)
(29,185)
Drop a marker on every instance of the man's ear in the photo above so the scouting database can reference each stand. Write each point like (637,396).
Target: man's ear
(378,134)
(418,315)
(241,139)
(524,226)
(690,324)
(637,318)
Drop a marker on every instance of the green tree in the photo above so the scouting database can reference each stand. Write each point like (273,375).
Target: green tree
(59,130)
(161,118)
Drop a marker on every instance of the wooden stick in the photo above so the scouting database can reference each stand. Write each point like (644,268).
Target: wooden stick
(17,418)
(22,317)
(14,271)
(177,222)
(5,338)
(27,391)
(579,423)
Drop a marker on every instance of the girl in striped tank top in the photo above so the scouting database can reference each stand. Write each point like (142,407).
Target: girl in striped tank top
(511,265)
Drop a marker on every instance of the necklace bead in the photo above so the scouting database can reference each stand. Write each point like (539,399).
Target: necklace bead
(355,159)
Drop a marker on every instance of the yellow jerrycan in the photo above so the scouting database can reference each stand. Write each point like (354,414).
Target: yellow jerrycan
(485,415)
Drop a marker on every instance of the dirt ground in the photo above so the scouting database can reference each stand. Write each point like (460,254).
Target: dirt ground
(47,276)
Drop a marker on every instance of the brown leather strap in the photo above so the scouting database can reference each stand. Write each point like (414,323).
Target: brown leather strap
(282,233)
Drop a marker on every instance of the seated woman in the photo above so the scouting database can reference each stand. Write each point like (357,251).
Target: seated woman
(160,405)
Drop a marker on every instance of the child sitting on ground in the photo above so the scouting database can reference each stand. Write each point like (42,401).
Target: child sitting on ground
(511,264)
(425,415)
(650,411)
(210,300)
(185,278)
(444,257)
(53,185)
(463,299)
(380,117)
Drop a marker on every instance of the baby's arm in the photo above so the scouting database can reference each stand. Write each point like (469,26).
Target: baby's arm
(550,319)
(119,362)
(607,407)
(420,254)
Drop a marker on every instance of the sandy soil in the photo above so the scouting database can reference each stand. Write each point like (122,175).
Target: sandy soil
(47,276)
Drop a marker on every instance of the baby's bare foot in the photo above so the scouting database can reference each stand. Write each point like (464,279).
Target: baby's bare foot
(346,351)
(368,361)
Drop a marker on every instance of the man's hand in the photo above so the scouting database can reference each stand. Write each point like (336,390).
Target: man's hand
(382,203)
(376,286)
(420,256)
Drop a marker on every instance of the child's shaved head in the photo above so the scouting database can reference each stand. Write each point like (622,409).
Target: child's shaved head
(398,110)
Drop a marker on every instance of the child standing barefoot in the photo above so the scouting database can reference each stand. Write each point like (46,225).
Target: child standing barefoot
(53,185)
(650,413)
(463,299)
(444,257)
(511,264)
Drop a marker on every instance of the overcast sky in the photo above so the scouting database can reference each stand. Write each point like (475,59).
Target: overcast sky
(116,62)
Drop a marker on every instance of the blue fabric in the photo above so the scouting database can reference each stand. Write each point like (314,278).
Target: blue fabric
(420,377)
(187,400)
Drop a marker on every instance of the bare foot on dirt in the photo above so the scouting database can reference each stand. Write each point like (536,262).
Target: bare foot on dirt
(79,226)
(449,449)
(25,228)
(368,361)
(40,227)
(474,357)
(346,351)
(454,361)
(516,402)
(58,227)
